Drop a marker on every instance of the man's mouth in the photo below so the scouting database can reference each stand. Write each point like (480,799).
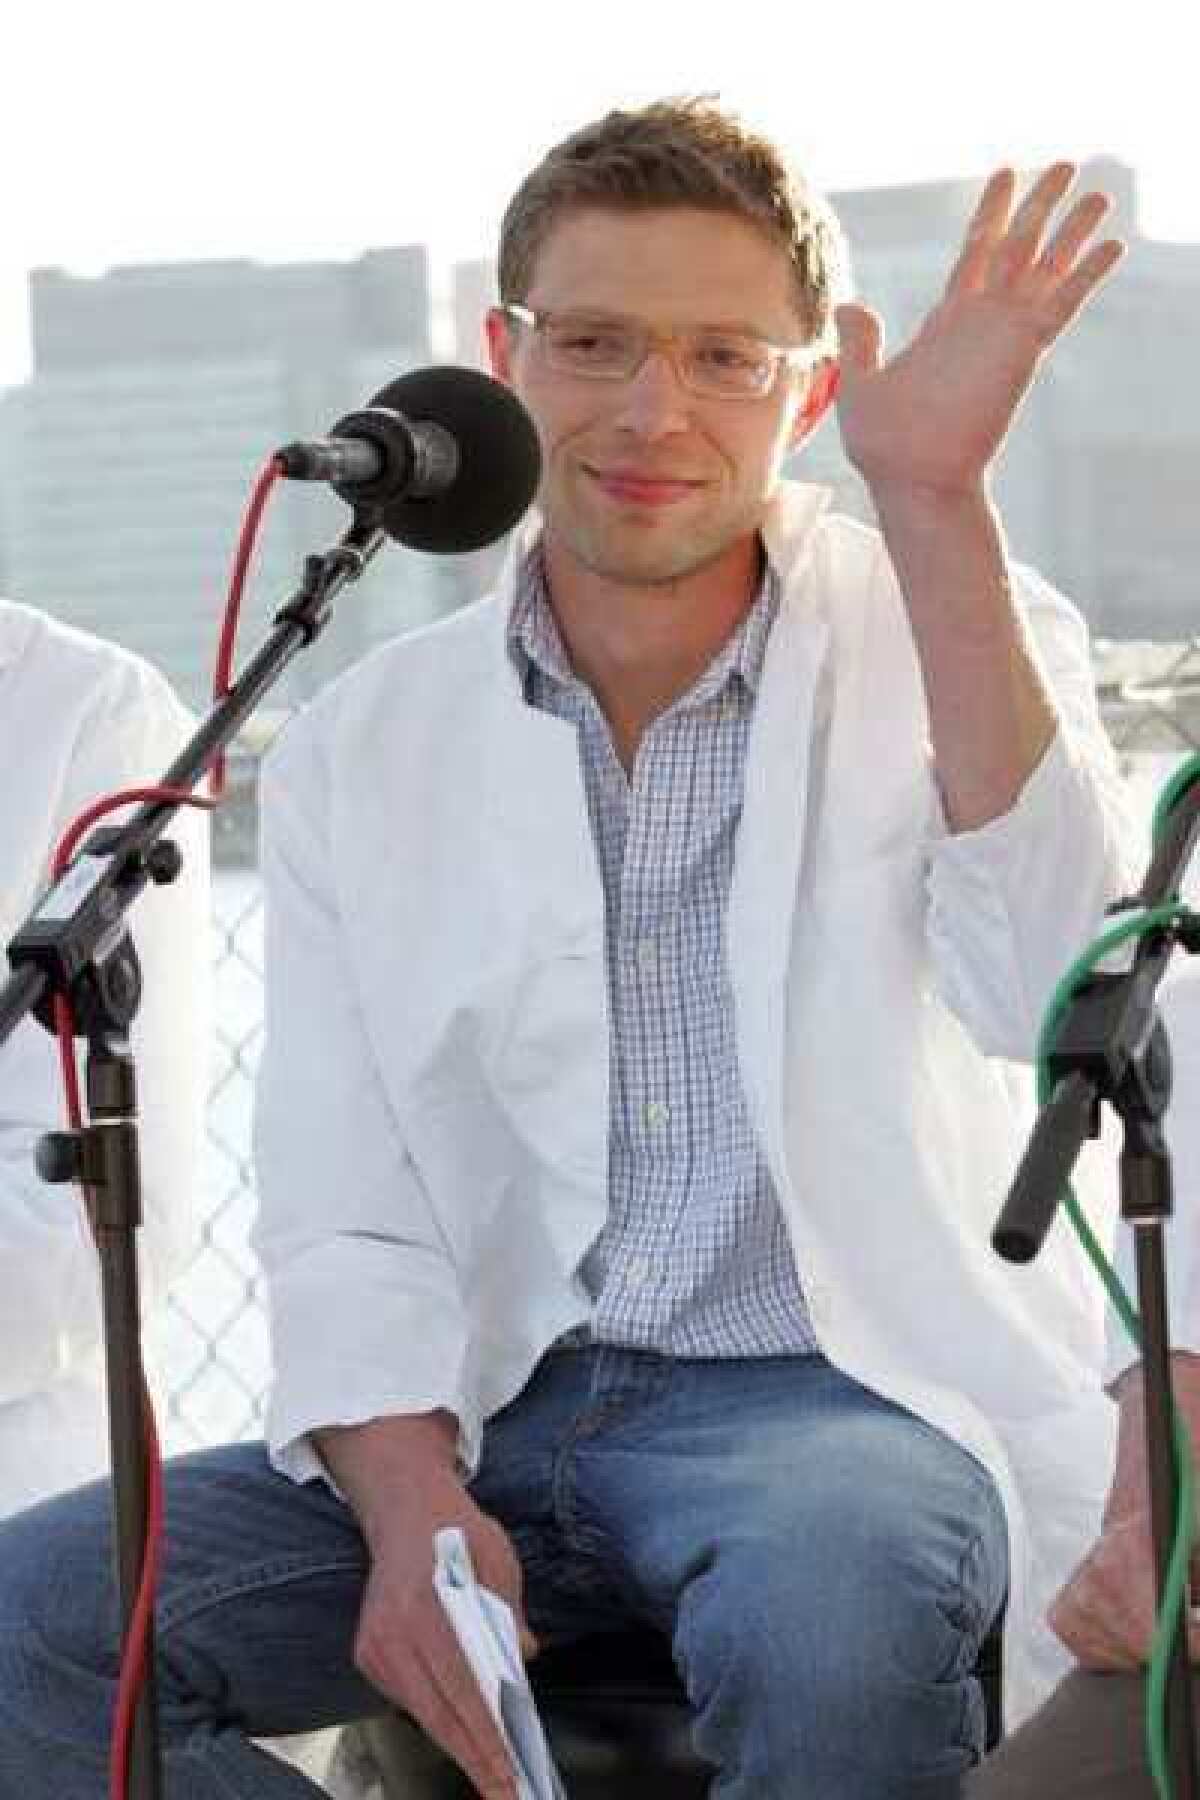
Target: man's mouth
(640,488)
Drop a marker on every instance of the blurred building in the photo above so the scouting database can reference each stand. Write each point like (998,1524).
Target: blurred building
(474,293)
(157,394)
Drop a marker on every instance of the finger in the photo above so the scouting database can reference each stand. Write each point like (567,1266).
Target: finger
(440,1654)
(488,1765)
(860,339)
(1019,247)
(1073,293)
(1079,1619)
(433,1680)
(986,226)
(1094,1636)
(1086,1631)
(498,1567)
(1123,1587)
(1059,257)
(1104,1614)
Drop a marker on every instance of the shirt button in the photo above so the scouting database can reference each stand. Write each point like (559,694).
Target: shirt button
(637,1271)
(647,954)
(656,1113)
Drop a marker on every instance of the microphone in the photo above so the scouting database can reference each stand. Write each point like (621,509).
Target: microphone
(447,459)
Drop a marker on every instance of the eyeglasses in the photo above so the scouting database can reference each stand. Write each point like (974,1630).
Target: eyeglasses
(713,363)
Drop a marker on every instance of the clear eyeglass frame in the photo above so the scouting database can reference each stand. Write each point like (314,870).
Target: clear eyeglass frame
(631,342)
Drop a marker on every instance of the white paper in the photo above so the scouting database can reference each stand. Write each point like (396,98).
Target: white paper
(485,1628)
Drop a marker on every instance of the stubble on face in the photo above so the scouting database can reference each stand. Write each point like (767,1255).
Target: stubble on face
(636,555)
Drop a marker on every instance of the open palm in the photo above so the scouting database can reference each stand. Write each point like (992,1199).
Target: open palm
(935,415)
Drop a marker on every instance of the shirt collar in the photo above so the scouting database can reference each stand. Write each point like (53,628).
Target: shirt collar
(535,642)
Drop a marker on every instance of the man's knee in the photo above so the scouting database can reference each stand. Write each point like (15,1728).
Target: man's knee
(838,1647)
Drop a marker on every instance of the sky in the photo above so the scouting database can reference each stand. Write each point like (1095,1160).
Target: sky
(134,132)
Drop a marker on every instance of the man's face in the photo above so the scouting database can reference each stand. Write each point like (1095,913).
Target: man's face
(643,481)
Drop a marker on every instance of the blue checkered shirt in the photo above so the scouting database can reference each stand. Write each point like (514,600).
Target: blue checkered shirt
(694,1259)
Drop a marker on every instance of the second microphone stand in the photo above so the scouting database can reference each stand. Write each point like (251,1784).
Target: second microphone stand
(1111,1045)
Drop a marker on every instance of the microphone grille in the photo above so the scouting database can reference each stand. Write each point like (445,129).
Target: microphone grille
(500,460)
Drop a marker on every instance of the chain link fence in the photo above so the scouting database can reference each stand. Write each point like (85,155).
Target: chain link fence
(207,1351)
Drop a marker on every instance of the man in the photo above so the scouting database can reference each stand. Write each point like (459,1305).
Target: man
(1089,1740)
(78,719)
(628,1136)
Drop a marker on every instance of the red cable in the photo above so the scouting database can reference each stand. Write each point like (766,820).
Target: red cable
(223,678)
(133,1660)
(133,1663)
(137,796)
(133,1657)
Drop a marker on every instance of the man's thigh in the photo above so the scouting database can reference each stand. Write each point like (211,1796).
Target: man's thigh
(826,1564)
(572,1586)
(1087,1742)
(838,1487)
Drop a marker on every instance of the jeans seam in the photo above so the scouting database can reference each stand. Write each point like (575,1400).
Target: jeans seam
(968,1616)
(275,1574)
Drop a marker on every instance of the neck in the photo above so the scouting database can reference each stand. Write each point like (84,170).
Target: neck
(640,646)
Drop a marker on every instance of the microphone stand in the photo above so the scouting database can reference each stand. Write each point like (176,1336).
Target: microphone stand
(73,945)
(1111,1045)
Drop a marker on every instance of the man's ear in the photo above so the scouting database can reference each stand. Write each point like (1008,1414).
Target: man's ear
(822,391)
(499,345)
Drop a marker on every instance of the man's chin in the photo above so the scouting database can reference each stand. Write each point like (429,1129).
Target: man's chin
(644,563)
(647,571)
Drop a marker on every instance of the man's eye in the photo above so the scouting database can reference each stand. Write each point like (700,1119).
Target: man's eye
(727,353)
(589,342)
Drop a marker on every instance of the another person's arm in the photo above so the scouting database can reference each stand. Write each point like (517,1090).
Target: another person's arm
(49,1294)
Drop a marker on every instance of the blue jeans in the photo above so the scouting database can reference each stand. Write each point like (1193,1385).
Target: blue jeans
(825,1564)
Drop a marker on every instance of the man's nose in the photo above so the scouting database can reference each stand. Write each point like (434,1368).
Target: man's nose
(654,402)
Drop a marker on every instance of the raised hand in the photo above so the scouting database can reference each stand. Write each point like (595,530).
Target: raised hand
(934,416)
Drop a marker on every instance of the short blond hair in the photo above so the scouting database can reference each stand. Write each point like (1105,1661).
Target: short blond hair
(683,152)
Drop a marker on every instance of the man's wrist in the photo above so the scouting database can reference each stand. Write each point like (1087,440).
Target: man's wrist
(383,1464)
(899,501)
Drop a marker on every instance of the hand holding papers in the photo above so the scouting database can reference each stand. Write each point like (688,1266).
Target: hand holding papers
(485,1629)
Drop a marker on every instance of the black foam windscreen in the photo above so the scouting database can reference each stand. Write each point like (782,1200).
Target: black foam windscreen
(500,460)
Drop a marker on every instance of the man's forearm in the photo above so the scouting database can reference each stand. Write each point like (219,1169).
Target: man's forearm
(990,717)
(383,1465)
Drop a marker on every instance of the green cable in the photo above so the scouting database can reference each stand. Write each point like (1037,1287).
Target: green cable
(1185,776)
(1135,926)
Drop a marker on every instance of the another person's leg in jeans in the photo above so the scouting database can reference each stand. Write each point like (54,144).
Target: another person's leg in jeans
(827,1564)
